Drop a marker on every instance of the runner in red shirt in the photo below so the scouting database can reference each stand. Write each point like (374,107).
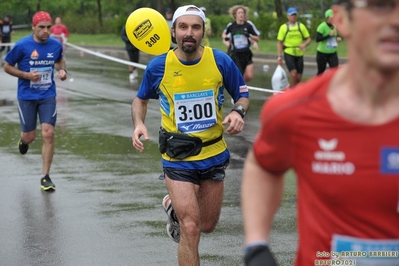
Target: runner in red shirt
(339,133)
(60,31)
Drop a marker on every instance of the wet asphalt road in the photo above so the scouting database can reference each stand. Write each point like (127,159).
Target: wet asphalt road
(107,207)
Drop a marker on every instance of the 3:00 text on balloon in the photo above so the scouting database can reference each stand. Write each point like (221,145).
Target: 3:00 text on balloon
(153,40)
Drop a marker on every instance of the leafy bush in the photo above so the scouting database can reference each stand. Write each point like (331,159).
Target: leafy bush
(265,22)
(89,24)
(267,25)
(219,23)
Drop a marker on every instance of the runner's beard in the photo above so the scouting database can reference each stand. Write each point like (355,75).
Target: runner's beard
(189,49)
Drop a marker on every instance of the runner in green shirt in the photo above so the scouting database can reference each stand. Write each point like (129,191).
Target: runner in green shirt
(327,38)
(293,38)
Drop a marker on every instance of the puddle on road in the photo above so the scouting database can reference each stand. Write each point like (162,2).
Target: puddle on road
(112,153)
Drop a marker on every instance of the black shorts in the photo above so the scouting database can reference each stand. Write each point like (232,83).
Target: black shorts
(5,39)
(242,59)
(294,63)
(323,59)
(196,176)
(133,55)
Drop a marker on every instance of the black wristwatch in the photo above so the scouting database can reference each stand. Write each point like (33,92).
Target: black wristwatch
(239,109)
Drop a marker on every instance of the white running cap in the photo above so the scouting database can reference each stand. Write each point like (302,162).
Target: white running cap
(182,11)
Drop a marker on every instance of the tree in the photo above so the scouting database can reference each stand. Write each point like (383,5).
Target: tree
(279,10)
(99,13)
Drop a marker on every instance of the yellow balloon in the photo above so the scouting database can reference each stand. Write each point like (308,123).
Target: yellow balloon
(148,30)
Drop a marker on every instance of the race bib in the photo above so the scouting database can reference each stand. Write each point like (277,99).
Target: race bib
(195,111)
(365,252)
(240,41)
(44,82)
(6,29)
(332,43)
(389,158)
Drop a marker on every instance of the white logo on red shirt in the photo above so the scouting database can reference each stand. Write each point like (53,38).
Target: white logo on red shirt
(330,162)
(328,145)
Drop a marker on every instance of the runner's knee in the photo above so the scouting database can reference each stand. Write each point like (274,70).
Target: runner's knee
(190,228)
(48,133)
(29,137)
(248,76)
(208,227)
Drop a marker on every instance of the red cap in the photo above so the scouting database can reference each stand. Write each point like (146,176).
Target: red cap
(41,16)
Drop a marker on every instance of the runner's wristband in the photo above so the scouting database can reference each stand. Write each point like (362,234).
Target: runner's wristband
(259,255)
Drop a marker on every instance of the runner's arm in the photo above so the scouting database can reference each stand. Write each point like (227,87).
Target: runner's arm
(13,71)
(320,37)
(226,41)
(60,65)
(306,42)
(261,192)
(139,111)
(306,37)
(253,34)
(254,38)
(279,52)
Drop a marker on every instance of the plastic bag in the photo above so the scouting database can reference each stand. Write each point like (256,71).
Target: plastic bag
(280,79)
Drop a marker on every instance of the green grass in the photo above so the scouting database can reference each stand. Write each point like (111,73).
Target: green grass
(265,46)
(82,39)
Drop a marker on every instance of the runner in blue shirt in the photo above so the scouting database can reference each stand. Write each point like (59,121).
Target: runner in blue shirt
(36,57)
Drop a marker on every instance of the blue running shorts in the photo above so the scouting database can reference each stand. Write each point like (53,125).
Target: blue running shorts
(29,110)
